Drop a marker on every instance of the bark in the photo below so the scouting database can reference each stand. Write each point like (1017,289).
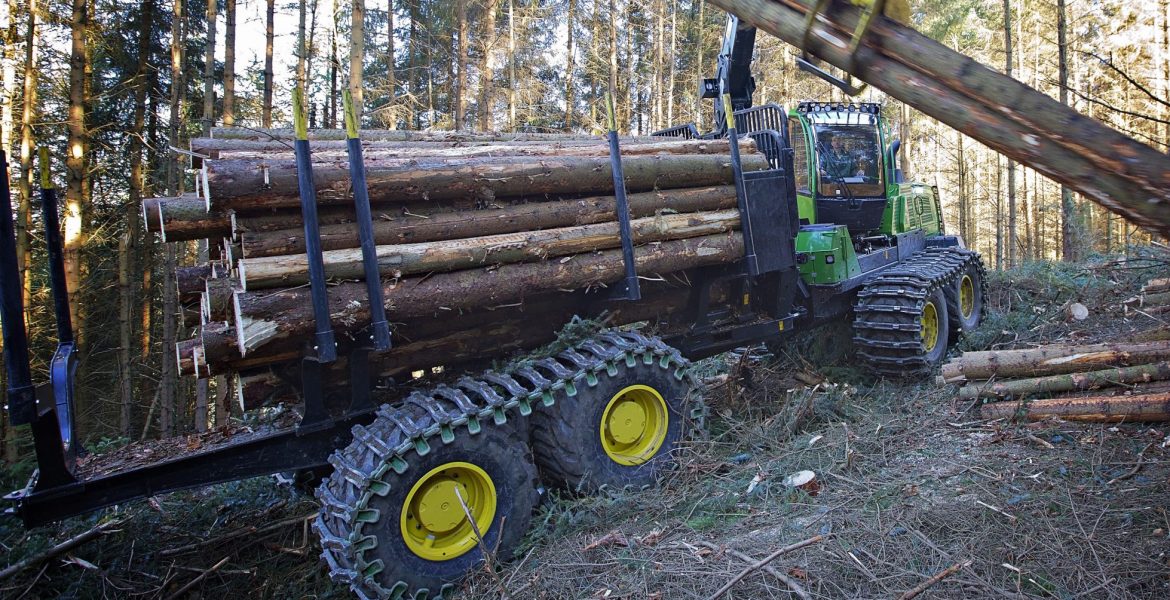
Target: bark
(452,255)
(512,82)
(27,116)
(269,24)
(150,214)
(461,64)
(1013,237)
(271,134)
(242,183)
(414,118)
(217,344)
(190,282)
(301,47)
(1097,409)
(1069,244)
(268,317)
(181,219)
(216,301)
(75,160)
(334,65)
(168,384)
(1051,360)
(486,75)
(335,150)
(570,97)
(1125,176)
(125,333)
(229,64)
(391,75)
(357,49)
(395,229)
(1066,383)
(209,68)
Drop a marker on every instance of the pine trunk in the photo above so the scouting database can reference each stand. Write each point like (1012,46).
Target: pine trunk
(1101,409)
(486,74)
(209,68)
(401,260)
(391,66)
(1067,383)
(357,50)
(75,160)
(27,141)
(390,228)
(1051,360)
(269,32)
(229,64)
(183,219)
(461,64)
(570,63)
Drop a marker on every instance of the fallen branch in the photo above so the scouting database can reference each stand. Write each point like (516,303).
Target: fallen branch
(937,577)
(769,569)
(764,561)
(61,548)
(235,534)
(1137,467)
(201,577)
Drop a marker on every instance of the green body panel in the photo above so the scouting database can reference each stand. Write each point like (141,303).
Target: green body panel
(830,255)
(912,206)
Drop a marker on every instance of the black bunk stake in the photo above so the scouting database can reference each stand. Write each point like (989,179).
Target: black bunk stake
(21,394)
(324,344)
(379,328)
(64,364)
(745,221)
(629,288)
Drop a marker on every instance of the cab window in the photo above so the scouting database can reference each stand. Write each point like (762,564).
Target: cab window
(799,155)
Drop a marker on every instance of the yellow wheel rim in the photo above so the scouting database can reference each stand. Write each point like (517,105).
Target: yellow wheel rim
(434,524)
(966,296)
(634,425)
(929,326)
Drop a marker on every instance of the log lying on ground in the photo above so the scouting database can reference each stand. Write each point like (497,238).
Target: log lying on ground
(1125,176)
(1065,383)
(337,150)
(451,255)
(392,228)
(237,184)
(241,133)
(1156,286)
(262,318)
(1149,299)
(1097,409)
(1051,360)
(186,218)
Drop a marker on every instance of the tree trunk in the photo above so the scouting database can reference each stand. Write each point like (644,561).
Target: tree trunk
(334,65)
(391,75)
(302,49)
(229,64)
(266,318)
(414,119)
(1067,383)
(269,32)
(242,184)
(461,64)
(27,141)
(570,63)
(512,83)
(670,73)
(1051,360)
(209,68)
(1013,237)
(278,136)
(400,260)
(1069,244)
(1102,409)
(486,75)
(462,224)
(75,165)
(357,52)
(1113,170)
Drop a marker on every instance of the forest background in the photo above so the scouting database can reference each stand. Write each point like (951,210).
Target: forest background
(113,87)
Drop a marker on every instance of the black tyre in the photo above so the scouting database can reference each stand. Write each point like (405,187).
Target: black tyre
(934,333)
(901,331)
(965,299)
(620,431)
(397,525)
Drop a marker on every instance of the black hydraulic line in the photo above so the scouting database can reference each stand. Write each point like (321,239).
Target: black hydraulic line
(324,343)
(21,394)
(632,289)
(379,328)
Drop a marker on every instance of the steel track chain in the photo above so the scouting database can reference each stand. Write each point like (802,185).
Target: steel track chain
(384,448)
(887,325)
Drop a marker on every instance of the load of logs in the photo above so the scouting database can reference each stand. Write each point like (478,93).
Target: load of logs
(1111,382)
(481,242)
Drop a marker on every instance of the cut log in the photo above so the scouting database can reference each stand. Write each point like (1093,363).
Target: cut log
(1158,299)
(1052,360)
(185,356)
(1097,409)
(1077,311)
(1156,286)
(262,318)
(265,184)
(150,220)
(218,341)
(217,298)
(1064,383)
(190,282)
(192,315)
(255,390)
(241,133)
(451,255)
(186,218)
(336,150)
(392,228)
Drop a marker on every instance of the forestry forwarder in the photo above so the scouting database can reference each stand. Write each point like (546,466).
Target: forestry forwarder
(423,483)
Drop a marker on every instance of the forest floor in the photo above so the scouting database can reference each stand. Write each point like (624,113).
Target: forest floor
(913,483)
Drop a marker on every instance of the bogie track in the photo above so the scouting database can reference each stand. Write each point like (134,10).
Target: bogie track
(471,427)
(901,319)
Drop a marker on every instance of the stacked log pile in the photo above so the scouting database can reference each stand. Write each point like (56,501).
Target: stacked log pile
(1111,382)
(480,241)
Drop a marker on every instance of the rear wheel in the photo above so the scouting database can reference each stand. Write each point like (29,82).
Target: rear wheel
(965,300)
(621,431)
